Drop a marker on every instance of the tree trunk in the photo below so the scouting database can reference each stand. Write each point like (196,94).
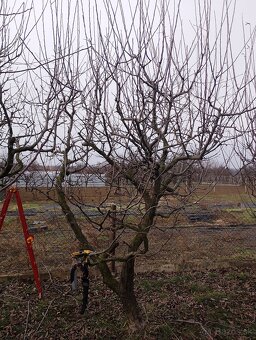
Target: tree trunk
(69,214)
(125,287)
(128,297)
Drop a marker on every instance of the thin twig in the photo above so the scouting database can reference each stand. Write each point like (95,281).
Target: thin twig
(195,323)
(49,273)
(27,318)
(44,316)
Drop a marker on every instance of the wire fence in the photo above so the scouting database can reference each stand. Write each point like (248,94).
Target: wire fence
(203,237)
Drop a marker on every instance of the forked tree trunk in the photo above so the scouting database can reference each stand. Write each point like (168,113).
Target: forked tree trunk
(125,287)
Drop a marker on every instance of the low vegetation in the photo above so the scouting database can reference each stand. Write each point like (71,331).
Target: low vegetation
(213,304)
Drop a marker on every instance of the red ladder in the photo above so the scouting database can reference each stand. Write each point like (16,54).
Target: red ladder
(28,238)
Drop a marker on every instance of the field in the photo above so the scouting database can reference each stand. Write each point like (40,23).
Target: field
(197,281)
(212,304)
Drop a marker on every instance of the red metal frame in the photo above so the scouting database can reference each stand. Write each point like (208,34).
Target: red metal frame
(28,238)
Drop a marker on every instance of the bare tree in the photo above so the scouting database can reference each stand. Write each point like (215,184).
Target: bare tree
(25,126)
(149,102)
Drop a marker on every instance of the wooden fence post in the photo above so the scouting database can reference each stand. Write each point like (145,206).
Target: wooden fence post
(113,235)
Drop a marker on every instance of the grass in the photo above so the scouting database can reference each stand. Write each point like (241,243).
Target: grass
(244,215)
(165,331)
(241,276)
(180,279)
(209,296)
(167,299)
(156,285)
(217,197)
(197,287)
(186,306)
(149,285)
(243,254)
(26,205)
(185,249)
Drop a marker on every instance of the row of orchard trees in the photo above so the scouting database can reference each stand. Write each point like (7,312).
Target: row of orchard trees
(134,87)
(99,175)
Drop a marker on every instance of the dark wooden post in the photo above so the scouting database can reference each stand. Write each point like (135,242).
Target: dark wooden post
(113,235)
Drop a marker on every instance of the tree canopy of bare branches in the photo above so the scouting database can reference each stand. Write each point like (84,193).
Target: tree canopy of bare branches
(27,113)
(150,99)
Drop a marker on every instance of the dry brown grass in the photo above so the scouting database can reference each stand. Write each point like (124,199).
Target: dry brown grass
(175,242)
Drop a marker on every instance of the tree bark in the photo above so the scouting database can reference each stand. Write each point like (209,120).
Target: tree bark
(69,214)
(128,297)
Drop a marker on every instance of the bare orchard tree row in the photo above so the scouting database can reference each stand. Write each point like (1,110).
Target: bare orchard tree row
(132,88)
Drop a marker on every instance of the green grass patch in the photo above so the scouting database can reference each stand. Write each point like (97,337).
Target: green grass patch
(26,205)
(180,279)
(241,276)
(228,197)
(197,287)
(157,284)
(244,215)
(165,332)
(243,254)
(213,275)
(210,296)
(32,205)
(152,285)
